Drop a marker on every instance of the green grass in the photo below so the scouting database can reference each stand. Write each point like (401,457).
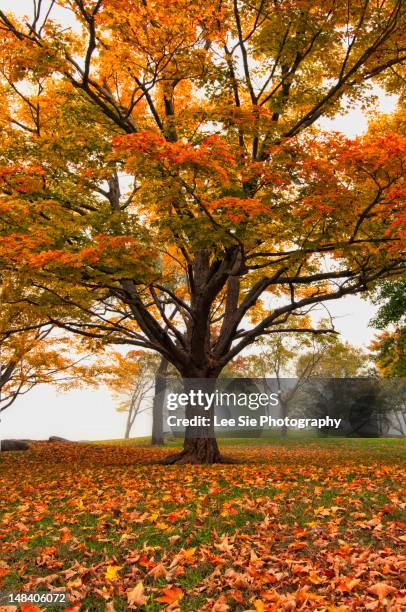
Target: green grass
(116,503)
(145,441)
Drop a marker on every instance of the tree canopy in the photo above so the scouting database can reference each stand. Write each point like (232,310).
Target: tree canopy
(164,179)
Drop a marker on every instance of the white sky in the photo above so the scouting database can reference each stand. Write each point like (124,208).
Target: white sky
(90,415)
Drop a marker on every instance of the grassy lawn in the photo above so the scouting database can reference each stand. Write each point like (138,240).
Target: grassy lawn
(310,524)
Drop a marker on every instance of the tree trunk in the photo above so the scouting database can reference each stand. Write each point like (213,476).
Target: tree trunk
(157,406)
(200,444)
(284,413)
(128,424)
(199,451)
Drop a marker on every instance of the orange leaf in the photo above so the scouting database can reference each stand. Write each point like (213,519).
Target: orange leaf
(65,535)
(346,585)
(170,595)
(297,545)
(237,596)
(381,589)
(145,562)
(271,595)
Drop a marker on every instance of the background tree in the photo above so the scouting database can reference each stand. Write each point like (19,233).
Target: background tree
(389,347)
(299,358)
(161,372)
(131,377)
(337,360)
(237,204)
(339,385)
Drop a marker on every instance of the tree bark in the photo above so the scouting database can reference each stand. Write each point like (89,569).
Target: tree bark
(128,425)
(198,451)
(157,406)
(200,444)
(284,412)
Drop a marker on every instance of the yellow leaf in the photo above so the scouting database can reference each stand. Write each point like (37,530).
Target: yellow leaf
(112,571)
(314,578)
(162,526)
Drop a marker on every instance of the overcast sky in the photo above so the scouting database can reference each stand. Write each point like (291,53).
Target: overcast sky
(90,415)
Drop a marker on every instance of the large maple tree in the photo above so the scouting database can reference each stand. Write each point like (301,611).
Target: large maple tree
(164,180)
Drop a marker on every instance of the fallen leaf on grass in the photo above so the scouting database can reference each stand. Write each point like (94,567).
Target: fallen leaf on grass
(136,596)
(65,535)
(112,571)
(271,595)
(170,595)
(224,546)
(297,545)
(237,595)
(145,562)
(346,585)
(158,571)
(381,589)
(220,605)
